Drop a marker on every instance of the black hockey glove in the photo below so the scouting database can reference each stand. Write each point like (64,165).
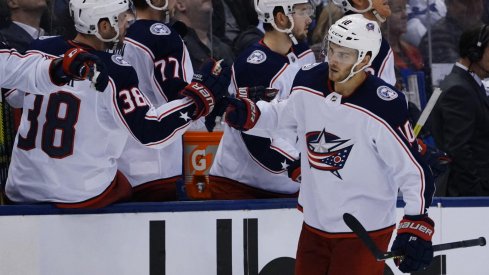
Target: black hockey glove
(208,87)
(436,159)
(294,170)
(77,64)
(241,113)
(414,240)
(257,93)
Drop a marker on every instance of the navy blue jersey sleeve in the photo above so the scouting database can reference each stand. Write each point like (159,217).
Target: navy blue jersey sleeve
(148,124)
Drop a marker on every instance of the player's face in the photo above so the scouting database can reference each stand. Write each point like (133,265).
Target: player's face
(341,60)
(382,7)
(302,19)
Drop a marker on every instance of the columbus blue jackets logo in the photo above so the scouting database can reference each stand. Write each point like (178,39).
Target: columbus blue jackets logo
(119,60)
(327,152)
(309,66)
(257,57)
(386,93)
(159,29)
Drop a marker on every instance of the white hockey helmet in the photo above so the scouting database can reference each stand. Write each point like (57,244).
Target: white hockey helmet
(87,13)
(264,9)
(356,32)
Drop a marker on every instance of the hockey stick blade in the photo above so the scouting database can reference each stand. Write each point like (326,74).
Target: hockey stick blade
(361,232)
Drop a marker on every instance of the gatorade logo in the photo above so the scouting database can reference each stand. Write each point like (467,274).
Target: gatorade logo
(200,161)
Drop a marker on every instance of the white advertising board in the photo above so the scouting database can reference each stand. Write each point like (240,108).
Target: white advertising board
(238,242)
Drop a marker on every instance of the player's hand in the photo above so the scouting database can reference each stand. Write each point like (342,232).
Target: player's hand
(208,87)
(241,113)
(78,64)
(256,93)
(435,158)
(414,240)
(294,170)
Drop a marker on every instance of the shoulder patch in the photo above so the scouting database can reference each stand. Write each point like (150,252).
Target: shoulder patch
(386,93)
(119,60)
(309,66)
(256,57)
(159,29)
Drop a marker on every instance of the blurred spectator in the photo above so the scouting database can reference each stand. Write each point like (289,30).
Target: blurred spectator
(64,24)
(247,38)
(461,116)
(232,17)
(24,22)
(407,58)
(329,14)
(461,15)
(421,16)
(201,43)
(485,16)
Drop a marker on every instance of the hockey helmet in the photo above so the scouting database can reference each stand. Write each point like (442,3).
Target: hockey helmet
(264,9)
(355,32)
(87,13)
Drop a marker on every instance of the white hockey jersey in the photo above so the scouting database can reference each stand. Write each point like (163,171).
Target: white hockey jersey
(68,142)
(251,159)
(356,151)
(27,72)
(162,63)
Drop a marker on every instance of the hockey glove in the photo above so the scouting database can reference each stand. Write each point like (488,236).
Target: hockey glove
(435,158)
(77,64)
(242,113)
(294,170)
(414,240)
(257,93)
(208,87)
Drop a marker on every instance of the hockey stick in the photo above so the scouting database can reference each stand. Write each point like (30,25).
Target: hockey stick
(427,111)
(361,232)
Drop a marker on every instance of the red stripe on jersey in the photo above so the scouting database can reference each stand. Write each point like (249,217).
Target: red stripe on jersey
(305,53)
(282,152)
(278,75)
(382,67)
(411,157)
(141,46)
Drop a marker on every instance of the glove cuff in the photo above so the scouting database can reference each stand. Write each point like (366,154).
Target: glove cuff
(421,226)
(56,72)
(202,97)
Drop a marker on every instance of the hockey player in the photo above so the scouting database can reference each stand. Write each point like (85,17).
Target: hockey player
(39,75)
(161,60)
(67,145)
(378,10)
(357,150)
(249,166)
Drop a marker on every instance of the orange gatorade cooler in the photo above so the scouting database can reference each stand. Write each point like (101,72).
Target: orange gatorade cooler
(199,150)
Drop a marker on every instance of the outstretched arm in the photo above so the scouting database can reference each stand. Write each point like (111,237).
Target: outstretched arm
(34,73)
